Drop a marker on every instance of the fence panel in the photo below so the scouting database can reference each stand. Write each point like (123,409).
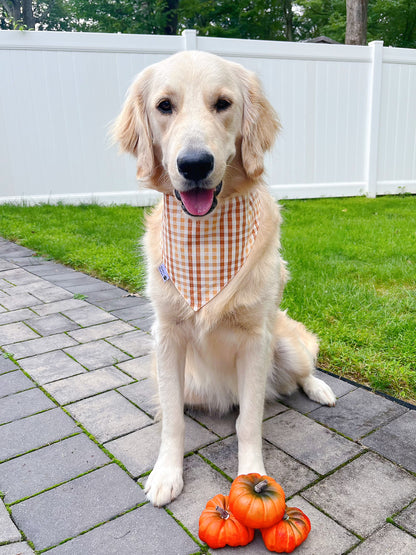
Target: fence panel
(348,114)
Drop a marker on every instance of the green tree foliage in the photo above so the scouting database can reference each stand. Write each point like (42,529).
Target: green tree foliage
(50,15)
(246,19)
(321,18)
(393,21)
(118,16)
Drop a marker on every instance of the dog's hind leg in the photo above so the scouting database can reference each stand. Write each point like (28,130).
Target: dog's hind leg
(294,362)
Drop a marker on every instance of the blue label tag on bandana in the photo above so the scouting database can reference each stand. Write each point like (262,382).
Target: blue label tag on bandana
(164,272)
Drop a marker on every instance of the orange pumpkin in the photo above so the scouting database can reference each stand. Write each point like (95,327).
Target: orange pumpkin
(218,527)
(287,534)
(257,501)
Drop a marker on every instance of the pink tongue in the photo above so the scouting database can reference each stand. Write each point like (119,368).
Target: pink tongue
(198,201)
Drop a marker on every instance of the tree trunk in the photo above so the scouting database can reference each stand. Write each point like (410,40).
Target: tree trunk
(12,8)
(288,17)
(356,32)
(171,27)
(28,19)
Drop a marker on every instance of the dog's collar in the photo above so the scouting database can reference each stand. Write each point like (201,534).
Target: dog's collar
(202,256)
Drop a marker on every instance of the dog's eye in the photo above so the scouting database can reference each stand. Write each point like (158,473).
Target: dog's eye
(165,107)
(222,104)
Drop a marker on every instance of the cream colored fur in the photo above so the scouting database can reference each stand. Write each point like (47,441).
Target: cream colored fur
(239,348)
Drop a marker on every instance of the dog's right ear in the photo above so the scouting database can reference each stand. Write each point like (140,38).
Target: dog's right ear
(131,129)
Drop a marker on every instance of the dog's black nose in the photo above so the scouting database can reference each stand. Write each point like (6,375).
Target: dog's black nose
(195,165)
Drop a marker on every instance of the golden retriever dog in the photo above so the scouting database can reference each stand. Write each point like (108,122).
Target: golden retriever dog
(199,126)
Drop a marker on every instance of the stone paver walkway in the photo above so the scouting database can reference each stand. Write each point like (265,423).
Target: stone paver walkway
(78,436)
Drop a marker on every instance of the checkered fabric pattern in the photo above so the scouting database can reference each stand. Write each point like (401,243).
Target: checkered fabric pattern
(202,256)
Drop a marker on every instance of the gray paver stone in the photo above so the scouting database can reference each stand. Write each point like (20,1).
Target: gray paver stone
(309,442)
(87,384)
(101,290)
(97,354)
(76,278)
(16,250)
(59,306)
(138,368)
(71,508)
(20,548)
(8,531)
(397,440)
(201,483)
(23,404)
(42,345)
(136,343)
(222,425)
(326,536)
(35,431)
(133,312)
(358,412)
(124,301)
(18,276)
(49,269)
(36,471)
(11,333)
(144,324)
(101,331)
(143,394)
(16,316)
(256,547)
(13,382)
(387,540)
(88,315)
(138,451)
(52,293)
(362,494)
(32,288)
(145,530)
(54,323)
(108,415)
(23,300)
(52,366)
(302,403)
(5,264)
(407,518)
(93,286)
(6,365)
(66,274)
(290,474)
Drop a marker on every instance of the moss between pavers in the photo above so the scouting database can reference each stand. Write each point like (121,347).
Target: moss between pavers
(184,528)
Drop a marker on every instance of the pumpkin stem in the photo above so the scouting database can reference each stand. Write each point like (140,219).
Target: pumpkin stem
(286,517)
(258,488)
(223,513)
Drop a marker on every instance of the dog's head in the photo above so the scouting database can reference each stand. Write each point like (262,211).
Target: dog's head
(198,125)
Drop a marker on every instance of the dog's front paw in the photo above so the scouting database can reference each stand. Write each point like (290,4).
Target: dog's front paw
(320,392)
(163,485)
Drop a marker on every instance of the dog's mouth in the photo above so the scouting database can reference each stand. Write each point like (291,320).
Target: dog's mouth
(197,201)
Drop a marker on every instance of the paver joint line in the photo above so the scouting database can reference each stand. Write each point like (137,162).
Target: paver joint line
(81,460)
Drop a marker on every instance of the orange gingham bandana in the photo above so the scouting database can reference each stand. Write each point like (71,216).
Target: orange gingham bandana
(202,256)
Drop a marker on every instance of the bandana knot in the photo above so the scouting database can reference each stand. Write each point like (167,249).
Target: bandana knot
(202,256)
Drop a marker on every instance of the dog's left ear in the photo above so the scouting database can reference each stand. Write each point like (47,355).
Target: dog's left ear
(260,125)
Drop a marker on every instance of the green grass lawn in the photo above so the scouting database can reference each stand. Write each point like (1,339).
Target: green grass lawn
(352,262)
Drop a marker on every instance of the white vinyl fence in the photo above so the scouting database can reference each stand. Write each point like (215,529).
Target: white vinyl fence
(348,114)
